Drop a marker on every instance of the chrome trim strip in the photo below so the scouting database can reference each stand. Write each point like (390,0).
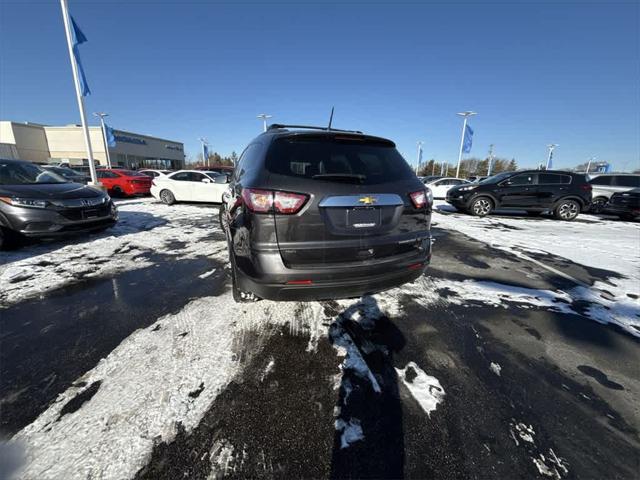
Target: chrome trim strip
(381,200)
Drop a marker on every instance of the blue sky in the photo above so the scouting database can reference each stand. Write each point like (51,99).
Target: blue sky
(536,72)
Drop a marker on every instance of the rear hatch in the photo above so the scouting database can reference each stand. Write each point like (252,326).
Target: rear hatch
(359,208)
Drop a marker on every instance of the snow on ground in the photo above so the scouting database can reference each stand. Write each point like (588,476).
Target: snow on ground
(589,241)
(425,389)
(145,226)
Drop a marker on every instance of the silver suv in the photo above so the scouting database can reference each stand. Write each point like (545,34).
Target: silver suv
(605,185)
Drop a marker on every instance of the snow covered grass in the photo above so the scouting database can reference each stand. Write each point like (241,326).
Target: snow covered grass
(589,241)
(145,227)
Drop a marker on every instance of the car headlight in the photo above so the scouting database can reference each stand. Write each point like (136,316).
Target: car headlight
(468,188)
(25,202)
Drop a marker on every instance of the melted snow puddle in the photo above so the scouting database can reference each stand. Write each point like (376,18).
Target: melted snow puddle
(425,389)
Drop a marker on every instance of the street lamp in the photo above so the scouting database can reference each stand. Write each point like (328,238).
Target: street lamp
(420,143)
(264,118)
(551,148)
(101,115)
(466,115)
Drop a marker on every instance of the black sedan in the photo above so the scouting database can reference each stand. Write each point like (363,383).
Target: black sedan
(38,203)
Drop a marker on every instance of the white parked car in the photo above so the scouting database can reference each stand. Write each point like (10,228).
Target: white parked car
(441,186)
(190,186)
(150,172)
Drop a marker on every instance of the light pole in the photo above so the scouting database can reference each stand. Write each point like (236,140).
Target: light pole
(551,148)
(466,115)
(589,164)
(264,118)
(490,160)
(420,143)
(101,115)
(205,153)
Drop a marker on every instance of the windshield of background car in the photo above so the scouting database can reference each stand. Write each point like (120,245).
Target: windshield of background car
(347,159)
(495,178)
(18,173)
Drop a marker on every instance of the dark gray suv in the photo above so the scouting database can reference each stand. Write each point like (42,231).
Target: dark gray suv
(38,203)
(314,213)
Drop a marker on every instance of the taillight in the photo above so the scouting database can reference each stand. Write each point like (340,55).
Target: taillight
(419,198)
(586,187)
(264,201)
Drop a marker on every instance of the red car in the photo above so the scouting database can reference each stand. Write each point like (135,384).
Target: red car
(120,182)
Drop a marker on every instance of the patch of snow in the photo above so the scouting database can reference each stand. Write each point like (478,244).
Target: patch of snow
(145,227)
(221,459)
(525,432)
(268,369)
(351,431)
(425,389)
(495,368)
(551,466)
(207,274)
(144,392)
(603,244)
(353,359)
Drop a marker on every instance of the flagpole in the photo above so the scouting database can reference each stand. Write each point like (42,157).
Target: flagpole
(466,115)
(104,137)
(76,81)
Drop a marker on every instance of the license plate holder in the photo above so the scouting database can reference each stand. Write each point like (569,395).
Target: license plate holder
(363,217)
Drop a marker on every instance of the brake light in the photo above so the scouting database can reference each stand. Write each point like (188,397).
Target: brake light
(586,187)
(419,198)
(300,282)
(264,201)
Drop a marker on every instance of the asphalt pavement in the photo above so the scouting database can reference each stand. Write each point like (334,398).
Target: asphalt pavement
(390,386)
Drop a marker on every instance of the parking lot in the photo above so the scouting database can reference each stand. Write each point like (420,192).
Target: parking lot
(123,355)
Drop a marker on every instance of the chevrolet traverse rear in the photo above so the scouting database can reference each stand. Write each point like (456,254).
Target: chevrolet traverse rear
(317,213)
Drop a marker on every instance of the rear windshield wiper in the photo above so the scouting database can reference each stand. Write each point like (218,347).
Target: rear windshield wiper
(340,177)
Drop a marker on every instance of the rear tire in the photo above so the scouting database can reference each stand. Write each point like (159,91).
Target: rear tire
(481,206)
(167,197)
(239,296)
(567,210)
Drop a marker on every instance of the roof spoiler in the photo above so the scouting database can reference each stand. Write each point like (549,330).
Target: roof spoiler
(276,126)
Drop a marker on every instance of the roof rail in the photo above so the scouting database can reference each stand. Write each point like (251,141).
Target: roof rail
(274,126)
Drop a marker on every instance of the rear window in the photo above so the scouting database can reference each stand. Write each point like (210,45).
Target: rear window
(628,181)
(553,178)
(346,159)
(130,173)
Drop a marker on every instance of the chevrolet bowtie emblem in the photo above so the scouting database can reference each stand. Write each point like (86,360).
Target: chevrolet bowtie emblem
(368,200)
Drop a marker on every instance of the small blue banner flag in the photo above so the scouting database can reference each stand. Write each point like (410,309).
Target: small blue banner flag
(550,161)
(468,139)
(111,138)
(79,38)
(205,152)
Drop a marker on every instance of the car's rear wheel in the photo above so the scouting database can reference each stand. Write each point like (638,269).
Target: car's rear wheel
(167,197)
(567,210)
(481,207)
(239,296)
(598,203)
(118,192)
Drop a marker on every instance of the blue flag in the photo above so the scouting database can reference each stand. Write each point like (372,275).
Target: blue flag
(550,161)
(468,139)
(111,138)
(420,156)
(205,152)
(79,38)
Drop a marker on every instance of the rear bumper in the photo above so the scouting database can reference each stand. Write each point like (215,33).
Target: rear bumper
(613,209)
(266,276)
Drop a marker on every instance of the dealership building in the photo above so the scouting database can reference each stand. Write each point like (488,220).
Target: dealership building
(65,144)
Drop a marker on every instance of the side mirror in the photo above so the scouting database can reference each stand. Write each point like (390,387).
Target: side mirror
(206,180)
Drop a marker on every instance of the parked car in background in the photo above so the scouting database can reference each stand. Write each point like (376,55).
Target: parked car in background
(441,186)
(605,185)
(565,194)
(35,202)
(155,173)
(124,183)
(313,213)
(625,205)
(68,174)
(190,186)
